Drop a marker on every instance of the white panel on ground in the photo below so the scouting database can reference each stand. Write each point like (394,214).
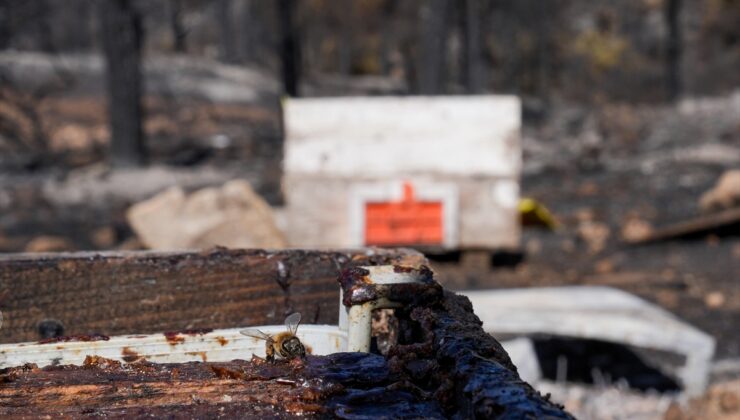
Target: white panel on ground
(522,354)
(601,313)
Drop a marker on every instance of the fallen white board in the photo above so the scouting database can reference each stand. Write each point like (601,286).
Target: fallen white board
(601,313)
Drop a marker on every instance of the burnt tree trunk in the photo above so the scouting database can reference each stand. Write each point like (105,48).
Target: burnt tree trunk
(245,41)
(80,29)
(545,13)
(674,48)
(228,40)
(43,23)
(179,34)
(345,41)
(433,40)
(289,47)
(6,32)
(472,37)
(386,36)
(122,36)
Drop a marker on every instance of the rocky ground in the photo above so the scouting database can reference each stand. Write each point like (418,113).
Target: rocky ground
(721,401)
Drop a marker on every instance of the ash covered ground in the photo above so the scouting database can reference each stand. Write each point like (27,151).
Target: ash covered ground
(602,170)
(614,170)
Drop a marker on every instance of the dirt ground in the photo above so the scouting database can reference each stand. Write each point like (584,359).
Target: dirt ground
(696,279)
(705,295)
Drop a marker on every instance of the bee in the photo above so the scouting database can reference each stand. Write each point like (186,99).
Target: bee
(285,344)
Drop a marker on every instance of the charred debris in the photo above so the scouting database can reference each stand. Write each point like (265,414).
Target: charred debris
(439,364)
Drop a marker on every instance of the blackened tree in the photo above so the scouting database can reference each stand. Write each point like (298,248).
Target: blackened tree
(5,31)
(289,47)
(228,36)
(433,46)
(122,38)
(673,50)
(473,76)
(179,34)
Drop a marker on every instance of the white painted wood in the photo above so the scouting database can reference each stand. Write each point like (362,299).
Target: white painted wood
(215,346)
(381,136)
(523,356)
(322,211)
(342,152)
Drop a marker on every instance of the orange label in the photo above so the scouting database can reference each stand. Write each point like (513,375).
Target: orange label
(405,222)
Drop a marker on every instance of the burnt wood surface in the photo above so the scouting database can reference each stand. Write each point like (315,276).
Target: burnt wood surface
(341,385)
(443,350)
(444,366)
(146,292)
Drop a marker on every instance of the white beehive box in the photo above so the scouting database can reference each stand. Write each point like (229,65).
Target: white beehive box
(430,171)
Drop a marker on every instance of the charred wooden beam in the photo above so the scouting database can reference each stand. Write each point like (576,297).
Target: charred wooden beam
(722,222)
(317,387)
(450,368)
(441,363)
(444,351)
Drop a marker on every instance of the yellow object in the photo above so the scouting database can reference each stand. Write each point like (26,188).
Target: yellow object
(603,50)
(534,213)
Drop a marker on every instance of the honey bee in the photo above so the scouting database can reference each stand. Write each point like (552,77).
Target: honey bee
(285,344)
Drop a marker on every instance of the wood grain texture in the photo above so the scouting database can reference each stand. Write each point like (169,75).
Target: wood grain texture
(147,292)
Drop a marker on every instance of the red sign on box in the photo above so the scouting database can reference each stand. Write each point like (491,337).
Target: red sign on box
(405,222)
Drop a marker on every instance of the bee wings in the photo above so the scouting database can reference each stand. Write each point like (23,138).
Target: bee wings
(255,333)
(292,322)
